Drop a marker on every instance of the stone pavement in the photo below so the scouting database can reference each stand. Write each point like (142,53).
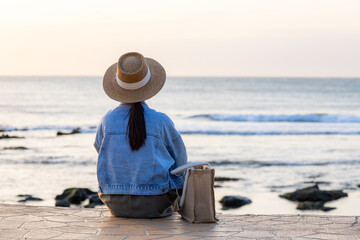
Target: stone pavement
(30,222)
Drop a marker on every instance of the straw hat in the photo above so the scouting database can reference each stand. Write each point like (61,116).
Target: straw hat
(133,78)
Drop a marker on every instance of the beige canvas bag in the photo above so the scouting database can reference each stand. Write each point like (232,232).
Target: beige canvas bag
(197,204)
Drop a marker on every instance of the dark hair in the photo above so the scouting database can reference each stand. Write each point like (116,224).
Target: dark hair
(136,128)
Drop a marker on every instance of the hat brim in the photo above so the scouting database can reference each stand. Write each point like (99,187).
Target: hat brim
(155,84)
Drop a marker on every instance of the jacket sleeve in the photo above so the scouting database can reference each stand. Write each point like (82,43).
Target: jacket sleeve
(99,136)
(177,151)
(174,144)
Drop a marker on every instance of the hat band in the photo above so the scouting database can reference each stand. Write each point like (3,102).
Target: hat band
(136,85)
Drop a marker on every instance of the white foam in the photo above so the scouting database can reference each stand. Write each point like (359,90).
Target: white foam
(83,129)
(313,117)
(203,126)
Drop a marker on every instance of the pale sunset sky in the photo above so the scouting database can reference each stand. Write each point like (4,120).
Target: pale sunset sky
(275,38)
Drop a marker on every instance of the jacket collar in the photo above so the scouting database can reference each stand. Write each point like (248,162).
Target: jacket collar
(127,106)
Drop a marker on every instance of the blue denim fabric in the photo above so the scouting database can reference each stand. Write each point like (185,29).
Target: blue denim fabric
(142,172)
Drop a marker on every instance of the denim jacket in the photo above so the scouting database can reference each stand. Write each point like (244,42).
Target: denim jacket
(142,172)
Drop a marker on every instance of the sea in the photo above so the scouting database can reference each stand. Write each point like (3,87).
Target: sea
(274,135)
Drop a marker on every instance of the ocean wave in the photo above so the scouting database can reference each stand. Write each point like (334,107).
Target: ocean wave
(253,163)
(83,129)
(50,161)
(218,130)
(216,163)
(313,117)
(262,133)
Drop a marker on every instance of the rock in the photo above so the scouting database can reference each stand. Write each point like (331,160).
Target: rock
(28,197)
(5,136)
(94,200)
(314,194)
(62,203)
(358,185)
(308,205)
(234,201)
(73,196)
(74,131)
(16,148)
(326,209)
(225,179)
(22,195)
(90,205)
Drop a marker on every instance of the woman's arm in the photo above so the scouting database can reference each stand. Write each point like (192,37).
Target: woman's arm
(177,151)
(174,143)
(99,136)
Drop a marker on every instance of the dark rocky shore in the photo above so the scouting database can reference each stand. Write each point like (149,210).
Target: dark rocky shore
(74,131)
(309,198)
(77,196)
(6,136)
(312,198)
(15,148)
(229,202)
(27,197)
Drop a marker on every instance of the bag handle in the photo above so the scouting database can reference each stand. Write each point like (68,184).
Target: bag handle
(189,165)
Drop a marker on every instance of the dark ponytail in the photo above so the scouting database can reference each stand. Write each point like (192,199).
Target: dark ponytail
(136,128)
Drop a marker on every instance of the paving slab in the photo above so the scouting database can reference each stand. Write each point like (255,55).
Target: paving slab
(35,222)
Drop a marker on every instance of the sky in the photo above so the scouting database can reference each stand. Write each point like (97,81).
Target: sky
(230,38)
